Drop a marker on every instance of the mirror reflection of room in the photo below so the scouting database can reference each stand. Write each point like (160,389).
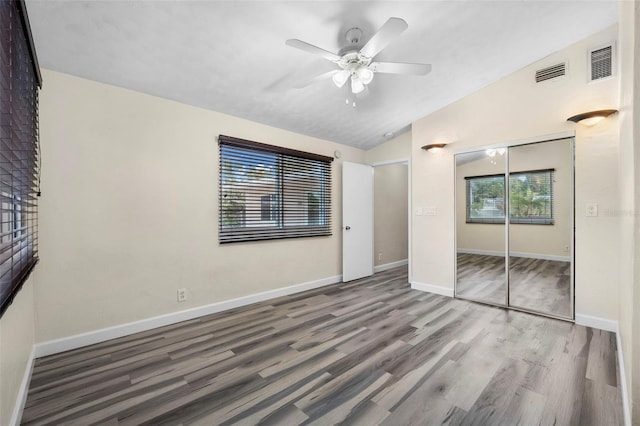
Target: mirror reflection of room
(480,228)
(538,227)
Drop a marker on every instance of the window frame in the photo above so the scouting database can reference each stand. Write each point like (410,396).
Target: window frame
(549,220)
(536,220)
(291,176)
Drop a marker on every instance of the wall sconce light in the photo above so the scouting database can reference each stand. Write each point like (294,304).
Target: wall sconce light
(434,147)
(592,117)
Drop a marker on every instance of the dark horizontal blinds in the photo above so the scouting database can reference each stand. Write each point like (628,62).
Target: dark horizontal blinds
(485,199)
(268,192)
(531,199)
(19,171)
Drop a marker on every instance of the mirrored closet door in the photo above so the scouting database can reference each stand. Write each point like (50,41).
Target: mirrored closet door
(480,227)
(523,259)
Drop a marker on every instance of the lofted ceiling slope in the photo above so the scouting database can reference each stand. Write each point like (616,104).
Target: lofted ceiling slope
(231,57)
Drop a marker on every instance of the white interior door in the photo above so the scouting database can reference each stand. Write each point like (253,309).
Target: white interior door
(357,221)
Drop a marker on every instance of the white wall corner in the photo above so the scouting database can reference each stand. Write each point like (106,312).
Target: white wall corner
(391,265)
(97,336)
(21,398)
(597,322)
(436,289)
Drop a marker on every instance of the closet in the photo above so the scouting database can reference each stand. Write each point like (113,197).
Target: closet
(514,227)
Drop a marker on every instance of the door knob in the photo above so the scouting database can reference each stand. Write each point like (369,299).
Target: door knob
(347,228)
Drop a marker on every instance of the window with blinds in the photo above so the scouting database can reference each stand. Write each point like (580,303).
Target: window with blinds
(485,199)
(268,192)
(530,198)
(19,151)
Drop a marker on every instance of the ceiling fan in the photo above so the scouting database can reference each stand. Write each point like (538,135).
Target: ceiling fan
(357,66)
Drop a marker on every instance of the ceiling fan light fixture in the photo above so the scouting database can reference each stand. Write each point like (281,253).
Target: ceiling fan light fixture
(341,77)
(365,75)
(357,85)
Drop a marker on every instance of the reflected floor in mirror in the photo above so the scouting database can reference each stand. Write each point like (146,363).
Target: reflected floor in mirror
(535,284)
(481,277)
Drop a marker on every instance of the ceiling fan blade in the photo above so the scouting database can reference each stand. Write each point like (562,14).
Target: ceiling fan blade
(400,68)
(324,76)
(310,48)
(385,35)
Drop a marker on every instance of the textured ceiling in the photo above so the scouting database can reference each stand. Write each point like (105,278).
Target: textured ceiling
(230,56)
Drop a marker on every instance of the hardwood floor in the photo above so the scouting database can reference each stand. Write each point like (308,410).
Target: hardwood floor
(535,284)
(367,352)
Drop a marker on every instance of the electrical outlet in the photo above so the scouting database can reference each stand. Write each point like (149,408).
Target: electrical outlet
(182,295)
(566,249)
(591,210)
(379,256)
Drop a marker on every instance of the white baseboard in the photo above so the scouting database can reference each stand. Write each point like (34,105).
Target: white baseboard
(481,252)
(444,291)
(626,410)
(391,265)
(21,398)
(612,326)
(79,340)
(518,254)
(597,322)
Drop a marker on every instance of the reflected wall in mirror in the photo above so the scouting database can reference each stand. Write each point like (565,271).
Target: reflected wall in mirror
(540,237)
(480,228)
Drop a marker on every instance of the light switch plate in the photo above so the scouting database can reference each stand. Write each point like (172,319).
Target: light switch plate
(591,210)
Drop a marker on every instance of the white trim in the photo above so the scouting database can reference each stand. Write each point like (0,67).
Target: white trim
(626,411)
(79,340)
(518,254)
(391,265)
(21,398)
(429,288)
(526,141)
(597,322)
(482,252)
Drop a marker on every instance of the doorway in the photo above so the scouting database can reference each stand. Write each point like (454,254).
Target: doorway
(376,228)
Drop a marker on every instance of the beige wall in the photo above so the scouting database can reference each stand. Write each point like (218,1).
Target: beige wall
(512,109)
(16,342)
(129,209)
(390,215)
(398,148)
(629,315)
(550,240)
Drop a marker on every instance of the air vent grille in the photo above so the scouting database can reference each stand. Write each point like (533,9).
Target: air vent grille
(548,73)
(602,63)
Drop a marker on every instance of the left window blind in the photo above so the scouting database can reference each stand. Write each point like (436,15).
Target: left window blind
(19,151)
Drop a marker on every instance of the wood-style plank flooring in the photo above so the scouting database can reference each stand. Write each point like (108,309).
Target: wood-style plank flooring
(367,352)
(535,284)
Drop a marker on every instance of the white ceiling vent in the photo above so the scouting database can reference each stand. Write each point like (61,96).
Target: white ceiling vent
(551,72)
(601,63)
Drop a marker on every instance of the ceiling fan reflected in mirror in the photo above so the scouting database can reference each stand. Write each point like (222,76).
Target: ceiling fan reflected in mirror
(357,66)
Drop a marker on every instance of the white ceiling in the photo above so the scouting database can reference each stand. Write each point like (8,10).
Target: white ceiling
(230,56)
